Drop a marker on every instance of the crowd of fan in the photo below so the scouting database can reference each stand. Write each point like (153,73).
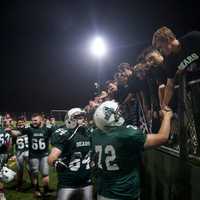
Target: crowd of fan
(138,88)
(148,86)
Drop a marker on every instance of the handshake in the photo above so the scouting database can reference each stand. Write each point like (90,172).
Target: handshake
(166,112)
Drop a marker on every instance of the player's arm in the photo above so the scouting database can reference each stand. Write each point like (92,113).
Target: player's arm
(169,90)
(155,140)
(54,155)
(58,141)
(15,133)
(54,161)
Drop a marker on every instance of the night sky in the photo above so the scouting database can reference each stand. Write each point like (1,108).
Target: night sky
(45,63)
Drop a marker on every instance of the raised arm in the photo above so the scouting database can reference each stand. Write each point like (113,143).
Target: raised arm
(13,132)
(157,139)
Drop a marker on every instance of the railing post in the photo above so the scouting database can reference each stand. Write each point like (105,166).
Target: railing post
(183,186)
(182,120)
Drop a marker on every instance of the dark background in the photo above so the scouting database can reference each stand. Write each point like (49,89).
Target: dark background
(45,62)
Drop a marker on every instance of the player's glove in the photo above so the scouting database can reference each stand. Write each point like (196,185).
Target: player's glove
(59,165)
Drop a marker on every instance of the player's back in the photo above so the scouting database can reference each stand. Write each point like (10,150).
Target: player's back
(118,154)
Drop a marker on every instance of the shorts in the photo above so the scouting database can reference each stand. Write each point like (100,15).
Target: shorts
(39,165)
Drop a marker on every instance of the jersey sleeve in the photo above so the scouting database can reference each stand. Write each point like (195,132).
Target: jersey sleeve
(135,138)
(59,138)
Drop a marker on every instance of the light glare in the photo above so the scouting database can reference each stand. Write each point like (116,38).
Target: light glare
(98,47)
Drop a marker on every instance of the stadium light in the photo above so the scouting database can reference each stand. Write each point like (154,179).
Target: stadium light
(98,47)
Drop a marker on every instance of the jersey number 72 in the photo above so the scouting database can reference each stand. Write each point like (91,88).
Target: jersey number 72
(109,155)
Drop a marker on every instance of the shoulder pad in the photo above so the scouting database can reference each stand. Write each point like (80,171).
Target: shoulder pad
(59,136)
(61,131)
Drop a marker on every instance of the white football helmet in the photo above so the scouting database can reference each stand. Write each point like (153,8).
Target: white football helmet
(107,115)
(7,175)
(71,118)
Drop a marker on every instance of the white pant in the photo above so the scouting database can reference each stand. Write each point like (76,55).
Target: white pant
(39,164)
(66,193)
(22,158)
(99,197)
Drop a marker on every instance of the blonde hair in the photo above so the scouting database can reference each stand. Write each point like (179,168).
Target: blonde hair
(163,34)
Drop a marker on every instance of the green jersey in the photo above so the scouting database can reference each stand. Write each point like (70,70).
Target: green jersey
(38,140)
(5,140)
(75,146)
(21,143)
(117,158)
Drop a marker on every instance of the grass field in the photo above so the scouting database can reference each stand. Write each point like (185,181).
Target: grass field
(12,194)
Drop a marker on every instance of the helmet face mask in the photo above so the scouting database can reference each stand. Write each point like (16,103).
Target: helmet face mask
(74,117)
(107,116)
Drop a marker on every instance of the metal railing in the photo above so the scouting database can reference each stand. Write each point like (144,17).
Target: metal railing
(184,138)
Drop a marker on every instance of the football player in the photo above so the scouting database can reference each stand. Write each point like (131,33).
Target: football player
(118,151)
(70,156)
(21,146)
(8,121)
(5,145)
(52,120)
(38,140)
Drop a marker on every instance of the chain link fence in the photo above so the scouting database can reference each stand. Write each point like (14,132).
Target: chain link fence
(185,127)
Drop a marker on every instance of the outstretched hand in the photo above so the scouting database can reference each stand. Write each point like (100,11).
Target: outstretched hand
(166,112)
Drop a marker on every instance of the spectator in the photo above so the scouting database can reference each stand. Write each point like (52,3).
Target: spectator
(182,57)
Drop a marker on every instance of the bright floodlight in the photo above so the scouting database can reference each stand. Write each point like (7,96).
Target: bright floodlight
(98,47)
